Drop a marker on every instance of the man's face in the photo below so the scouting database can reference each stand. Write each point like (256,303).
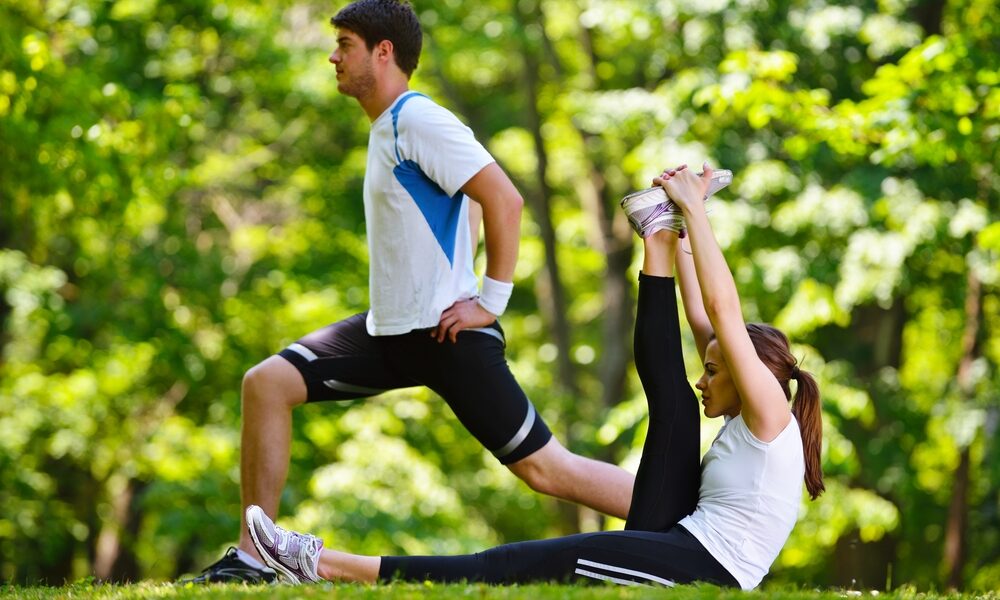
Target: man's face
(355,71)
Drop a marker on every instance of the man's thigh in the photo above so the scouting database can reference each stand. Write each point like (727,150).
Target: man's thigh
(473,377)
(343,362)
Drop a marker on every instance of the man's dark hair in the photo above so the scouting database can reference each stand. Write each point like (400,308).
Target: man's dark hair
(377,20)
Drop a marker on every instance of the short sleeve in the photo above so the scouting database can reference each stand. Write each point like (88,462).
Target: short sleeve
(750,438)
(443,147)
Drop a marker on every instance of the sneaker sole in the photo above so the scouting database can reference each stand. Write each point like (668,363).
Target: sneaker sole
(251,514)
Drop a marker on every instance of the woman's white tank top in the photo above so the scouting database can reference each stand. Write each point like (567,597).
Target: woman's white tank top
(749,499)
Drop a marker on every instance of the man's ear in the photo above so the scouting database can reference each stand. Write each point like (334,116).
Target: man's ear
(384,51)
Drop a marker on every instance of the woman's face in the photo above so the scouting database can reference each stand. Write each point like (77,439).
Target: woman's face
(718,392)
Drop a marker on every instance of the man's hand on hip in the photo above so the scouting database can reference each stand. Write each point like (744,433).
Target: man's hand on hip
(464,314)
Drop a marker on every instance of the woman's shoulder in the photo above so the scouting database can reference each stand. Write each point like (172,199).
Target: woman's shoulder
(739,427)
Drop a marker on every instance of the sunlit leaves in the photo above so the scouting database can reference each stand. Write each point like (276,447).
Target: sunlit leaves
(779,66)
(182,185)
(840,510)
(133,9)
(813,305)
(762,180)
(886,34)
(837,211)
(514,147)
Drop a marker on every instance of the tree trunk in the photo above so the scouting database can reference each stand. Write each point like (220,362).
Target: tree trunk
(956,530)
(126,568)
(109,541)
(929,14)
(115,558)
(614,237)
(861,565)
(958,517)
(551,293)
(549,289)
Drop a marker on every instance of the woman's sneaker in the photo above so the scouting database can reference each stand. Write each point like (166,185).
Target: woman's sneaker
(650,210)
(295,556)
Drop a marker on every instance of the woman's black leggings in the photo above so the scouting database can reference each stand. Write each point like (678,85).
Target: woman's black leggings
(653,548)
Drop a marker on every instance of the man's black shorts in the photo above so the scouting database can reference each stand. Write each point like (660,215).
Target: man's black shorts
(342,361)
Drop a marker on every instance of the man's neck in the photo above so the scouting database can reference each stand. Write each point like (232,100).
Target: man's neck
(382,97)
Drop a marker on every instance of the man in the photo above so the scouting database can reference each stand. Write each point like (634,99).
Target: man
(429,324)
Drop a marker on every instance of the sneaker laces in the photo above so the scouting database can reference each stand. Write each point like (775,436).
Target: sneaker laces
(304,547)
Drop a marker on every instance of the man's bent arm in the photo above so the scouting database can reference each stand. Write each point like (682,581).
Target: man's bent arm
(501,204)
(501,207)
(475,220)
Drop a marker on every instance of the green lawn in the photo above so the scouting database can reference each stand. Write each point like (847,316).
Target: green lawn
(701,592)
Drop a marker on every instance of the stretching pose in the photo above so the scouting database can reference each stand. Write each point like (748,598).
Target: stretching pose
(729,530)
(428,184)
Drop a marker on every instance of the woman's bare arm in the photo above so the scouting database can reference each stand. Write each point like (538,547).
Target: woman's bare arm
(764,407)
(694,306)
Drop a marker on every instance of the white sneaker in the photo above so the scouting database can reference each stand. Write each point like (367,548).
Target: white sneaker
(651,210)
(295,556)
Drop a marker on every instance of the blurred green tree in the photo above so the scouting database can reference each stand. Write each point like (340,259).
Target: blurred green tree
(180,191)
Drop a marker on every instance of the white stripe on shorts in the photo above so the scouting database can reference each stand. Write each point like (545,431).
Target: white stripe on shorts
(490,331)
(350,388)
(302,351)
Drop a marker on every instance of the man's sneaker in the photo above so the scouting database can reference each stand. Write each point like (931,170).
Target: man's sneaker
(295,556)
(233,569)
(650,210)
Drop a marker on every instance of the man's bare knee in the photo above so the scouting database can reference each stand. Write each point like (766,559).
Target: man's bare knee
(545,470)
(274,381)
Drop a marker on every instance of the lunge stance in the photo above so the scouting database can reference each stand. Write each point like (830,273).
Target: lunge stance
(428,324)
(730,530)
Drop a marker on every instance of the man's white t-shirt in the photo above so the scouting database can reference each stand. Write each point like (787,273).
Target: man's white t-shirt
(419,245)
(749,499)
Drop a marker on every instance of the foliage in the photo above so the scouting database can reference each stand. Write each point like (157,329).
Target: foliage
(180,193)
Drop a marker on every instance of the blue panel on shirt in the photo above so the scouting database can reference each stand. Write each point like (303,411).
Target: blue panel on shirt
(439,209)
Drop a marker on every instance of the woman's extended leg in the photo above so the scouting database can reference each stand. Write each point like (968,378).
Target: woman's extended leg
(624,557)
(666,485)
(617,556)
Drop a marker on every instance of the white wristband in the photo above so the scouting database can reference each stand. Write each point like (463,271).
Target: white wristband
(495,295)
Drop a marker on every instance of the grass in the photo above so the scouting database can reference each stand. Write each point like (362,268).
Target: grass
(460,591)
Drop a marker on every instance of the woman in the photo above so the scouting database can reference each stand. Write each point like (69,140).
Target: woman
(730,530)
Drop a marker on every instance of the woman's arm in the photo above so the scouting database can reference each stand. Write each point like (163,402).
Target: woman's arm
(764,407)
(694,307)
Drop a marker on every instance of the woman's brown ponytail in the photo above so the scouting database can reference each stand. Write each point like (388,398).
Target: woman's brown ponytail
(807,412)
(773,350)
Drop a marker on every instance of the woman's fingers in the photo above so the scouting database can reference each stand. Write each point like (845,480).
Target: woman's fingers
(670,174)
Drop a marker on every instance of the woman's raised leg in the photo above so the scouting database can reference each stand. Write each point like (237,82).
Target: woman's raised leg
(666,486)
